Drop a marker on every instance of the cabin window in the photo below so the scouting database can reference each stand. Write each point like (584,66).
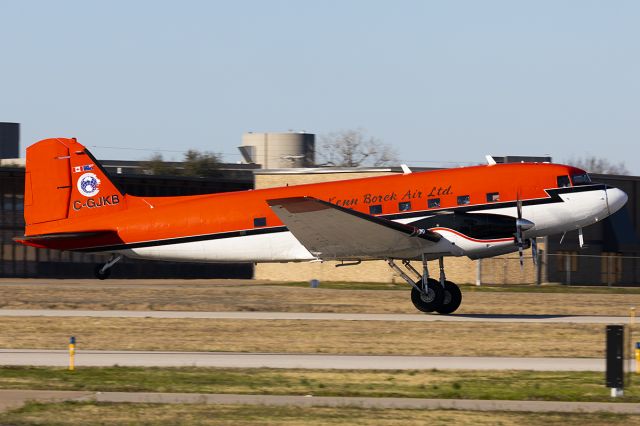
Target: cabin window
(404,206)
(583,179)
(259,221)
(433,203)
(375,209)
(463,199)
(563,181)
(493,197)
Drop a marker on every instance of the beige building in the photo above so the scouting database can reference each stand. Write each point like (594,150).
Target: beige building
(278,150)
(461,270)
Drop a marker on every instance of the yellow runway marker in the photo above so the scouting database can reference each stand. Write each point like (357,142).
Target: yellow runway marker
(72,353)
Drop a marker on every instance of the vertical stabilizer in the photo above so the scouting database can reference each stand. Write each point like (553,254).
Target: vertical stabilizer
(64,181)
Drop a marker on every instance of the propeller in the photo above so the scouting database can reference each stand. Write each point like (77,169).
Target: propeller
(519,233)
(521,226)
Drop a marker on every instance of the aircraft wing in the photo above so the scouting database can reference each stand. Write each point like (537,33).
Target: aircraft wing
(332,232)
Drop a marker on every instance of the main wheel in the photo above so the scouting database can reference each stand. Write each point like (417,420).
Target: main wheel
(452,298)
(429,301)
(100,274)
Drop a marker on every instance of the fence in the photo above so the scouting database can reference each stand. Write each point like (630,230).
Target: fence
(569,268)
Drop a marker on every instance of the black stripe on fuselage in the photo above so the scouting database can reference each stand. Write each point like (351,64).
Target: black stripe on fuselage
(554,197)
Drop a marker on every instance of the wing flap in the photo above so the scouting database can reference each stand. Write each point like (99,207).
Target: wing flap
(333,232)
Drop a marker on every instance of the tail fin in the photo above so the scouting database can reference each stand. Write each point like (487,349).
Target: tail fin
(63,181)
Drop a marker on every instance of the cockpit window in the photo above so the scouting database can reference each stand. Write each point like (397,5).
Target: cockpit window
(583,179)
(563,181)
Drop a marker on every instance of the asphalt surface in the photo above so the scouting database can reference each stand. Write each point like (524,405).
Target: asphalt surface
(60,358)
(316,316)
(14,398)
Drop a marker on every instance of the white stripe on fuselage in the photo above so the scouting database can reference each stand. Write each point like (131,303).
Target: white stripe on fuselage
(271,247)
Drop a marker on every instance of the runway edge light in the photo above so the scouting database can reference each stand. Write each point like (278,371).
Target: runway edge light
(72,353)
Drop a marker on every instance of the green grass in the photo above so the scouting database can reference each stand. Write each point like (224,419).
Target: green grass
(510,385)
(76,414)
(491,288)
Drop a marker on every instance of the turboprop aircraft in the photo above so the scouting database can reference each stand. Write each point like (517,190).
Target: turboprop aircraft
(481,211)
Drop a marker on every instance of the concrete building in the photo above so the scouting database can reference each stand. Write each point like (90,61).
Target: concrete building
(279,150)
(9,140)
(610,255)
(611,251)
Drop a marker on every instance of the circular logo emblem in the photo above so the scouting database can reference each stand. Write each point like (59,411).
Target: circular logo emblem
(88,184)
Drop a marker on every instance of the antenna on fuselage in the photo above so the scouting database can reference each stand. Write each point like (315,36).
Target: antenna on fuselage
(490,160)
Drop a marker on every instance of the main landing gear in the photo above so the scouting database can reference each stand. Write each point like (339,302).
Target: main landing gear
(102,271)
(428,294)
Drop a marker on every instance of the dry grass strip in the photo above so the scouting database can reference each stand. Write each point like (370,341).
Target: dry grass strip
(197,295)
(331,337)
(240,415)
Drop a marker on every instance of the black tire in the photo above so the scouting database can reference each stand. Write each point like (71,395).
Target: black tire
(101,275)
(452,298)
(432,300)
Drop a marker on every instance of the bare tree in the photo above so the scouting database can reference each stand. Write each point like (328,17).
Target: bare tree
(353,148)
(156,165)
(195,163)
(593,164)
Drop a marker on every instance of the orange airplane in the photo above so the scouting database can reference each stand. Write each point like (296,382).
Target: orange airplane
(482,211)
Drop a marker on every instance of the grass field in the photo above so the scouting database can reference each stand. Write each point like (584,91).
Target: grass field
(247,295)
(501,385)
(314,336)
(157,414)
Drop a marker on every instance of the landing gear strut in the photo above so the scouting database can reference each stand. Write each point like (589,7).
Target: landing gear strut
(102,271)
(428,294)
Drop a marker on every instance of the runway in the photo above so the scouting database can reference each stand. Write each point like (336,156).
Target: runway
(566,319)
(60,358)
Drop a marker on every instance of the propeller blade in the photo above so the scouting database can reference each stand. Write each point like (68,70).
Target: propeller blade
(580,237)
(521,254)
(519,230)
(534,250)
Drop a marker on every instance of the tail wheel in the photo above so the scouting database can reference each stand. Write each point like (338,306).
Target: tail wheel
(430,300)
(100,274)
(452,298)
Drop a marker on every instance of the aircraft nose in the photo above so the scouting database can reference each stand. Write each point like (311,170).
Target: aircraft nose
(616,199)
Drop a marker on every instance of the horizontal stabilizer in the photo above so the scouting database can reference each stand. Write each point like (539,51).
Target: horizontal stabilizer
(71,240)
(332,232)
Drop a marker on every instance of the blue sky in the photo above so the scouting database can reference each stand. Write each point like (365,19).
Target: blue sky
(444,81)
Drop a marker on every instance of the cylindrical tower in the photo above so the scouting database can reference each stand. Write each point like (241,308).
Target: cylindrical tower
(279,150)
